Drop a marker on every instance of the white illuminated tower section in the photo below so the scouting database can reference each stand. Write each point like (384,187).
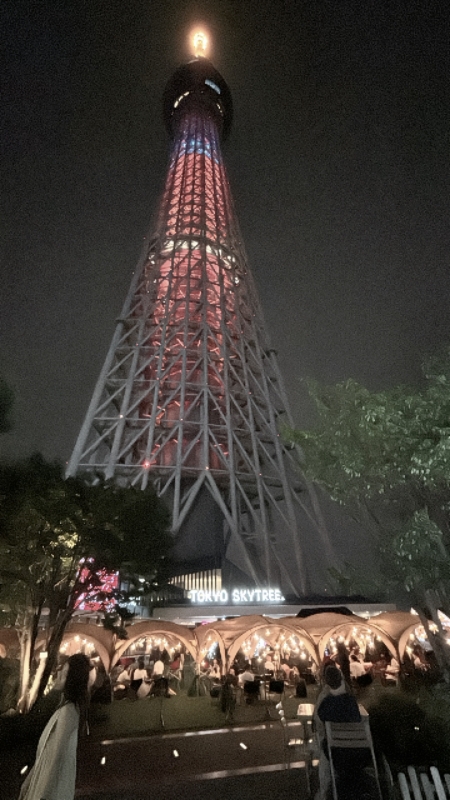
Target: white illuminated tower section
(190,397)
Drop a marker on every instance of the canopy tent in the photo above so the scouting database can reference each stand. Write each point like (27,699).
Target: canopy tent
(313,632)
(174,635)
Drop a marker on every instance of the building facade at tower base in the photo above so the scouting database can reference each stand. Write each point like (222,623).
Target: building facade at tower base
(205,559)
(198,613)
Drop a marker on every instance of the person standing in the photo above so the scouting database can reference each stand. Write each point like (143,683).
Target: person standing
(54,772)
(342,659)
(228,697)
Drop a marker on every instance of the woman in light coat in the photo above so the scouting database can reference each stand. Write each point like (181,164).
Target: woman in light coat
(54,772)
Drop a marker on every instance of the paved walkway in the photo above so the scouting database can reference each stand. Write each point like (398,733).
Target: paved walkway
(284,785)
(244,762)
(232,763)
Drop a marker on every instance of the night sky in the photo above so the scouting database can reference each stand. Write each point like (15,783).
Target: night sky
(338,162)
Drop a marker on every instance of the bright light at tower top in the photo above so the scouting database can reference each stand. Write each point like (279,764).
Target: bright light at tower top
(199,42)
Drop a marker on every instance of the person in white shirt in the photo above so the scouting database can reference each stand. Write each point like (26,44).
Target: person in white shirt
(393,670)
(269,666)
(214,671)
(54,772)
(247,675)
(123,678)
(356,667)
(251,689)
(159,684)
(139,675)
(158,669)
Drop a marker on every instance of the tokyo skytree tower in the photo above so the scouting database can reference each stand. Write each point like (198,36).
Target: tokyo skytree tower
(190,397)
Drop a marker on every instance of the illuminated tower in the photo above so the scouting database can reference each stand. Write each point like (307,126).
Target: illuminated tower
(190,396)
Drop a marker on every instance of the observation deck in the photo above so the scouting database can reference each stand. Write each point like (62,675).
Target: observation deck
(198,85)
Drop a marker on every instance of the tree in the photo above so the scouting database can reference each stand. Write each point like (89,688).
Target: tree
(386,457)
(56,538)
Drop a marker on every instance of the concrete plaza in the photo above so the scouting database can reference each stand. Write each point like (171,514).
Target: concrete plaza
(230,762)
(240,762)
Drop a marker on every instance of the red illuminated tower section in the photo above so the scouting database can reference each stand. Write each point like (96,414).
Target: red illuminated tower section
(190,397)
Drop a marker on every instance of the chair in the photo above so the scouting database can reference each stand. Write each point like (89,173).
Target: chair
(391,676)
(353,737)
(160,687)
(176,675)
(364,680)
(215,691)
(251,691)
(292,743)
(276,687)
(418,785)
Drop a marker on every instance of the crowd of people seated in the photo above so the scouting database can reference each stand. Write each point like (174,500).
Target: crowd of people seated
(250,685)
(360,669)
(138,679)
(164,674)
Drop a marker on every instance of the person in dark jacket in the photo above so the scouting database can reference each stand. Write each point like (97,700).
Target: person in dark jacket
(334,704)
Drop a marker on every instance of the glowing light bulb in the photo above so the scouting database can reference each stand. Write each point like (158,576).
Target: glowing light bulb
(199,44)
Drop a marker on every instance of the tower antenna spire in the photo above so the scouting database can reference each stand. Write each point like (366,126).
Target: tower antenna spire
(199,44)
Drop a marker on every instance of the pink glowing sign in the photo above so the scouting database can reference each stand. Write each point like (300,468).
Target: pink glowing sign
(109,583)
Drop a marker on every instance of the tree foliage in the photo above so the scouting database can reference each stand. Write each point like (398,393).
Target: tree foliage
(394,444)
(50,526)
(386,457)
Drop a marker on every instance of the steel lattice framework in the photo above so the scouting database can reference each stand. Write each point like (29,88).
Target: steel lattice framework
(190,396)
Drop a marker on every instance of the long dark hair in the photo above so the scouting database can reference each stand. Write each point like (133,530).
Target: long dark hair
(76,685)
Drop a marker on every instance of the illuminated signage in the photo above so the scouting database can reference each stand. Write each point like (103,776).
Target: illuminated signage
(236,596)
(104,588)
